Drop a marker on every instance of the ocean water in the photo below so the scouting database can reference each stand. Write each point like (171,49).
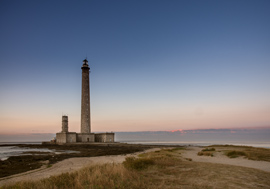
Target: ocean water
(7,151)
(10,143)
(240,137)
(203,143)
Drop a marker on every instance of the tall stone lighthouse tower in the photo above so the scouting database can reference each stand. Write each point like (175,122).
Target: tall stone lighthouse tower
(85,136)
(85,106)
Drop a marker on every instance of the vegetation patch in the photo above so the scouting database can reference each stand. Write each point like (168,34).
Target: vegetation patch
(252,153)
(175,149)
(137,163)
(235,154)
(202,153)
(207,152)
(208,149)
(99,176)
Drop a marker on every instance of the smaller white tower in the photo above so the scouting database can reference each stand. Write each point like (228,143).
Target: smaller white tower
(64,124)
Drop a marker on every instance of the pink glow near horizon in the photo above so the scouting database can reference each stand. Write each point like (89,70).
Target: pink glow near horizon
(181,131)
(45,125)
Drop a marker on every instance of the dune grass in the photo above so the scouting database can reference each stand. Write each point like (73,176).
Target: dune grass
(137,163)
(201,153)
(252,153)
(208,149)
(99,176)
(235,154)
(207,152)
(163,169)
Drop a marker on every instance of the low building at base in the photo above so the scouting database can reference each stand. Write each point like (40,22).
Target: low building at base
(72,137)
(85,137)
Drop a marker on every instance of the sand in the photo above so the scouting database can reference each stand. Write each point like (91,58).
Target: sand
(74,164)
(220,158)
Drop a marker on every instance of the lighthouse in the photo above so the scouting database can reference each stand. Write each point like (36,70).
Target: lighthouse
(85,101)
(85,136)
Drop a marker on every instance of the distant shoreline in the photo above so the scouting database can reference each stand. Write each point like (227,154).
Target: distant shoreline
(265,144)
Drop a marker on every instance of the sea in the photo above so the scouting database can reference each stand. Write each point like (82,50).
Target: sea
(203,143)
(240,137)
(8,149)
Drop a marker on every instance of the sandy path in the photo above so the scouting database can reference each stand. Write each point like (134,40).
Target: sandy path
(67,165)
(219,157)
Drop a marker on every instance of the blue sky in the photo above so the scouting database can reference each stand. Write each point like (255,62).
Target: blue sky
(155,65)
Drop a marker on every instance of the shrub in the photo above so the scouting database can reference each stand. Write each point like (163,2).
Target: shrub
(201,153)
(137,163)
(234,154)
(209,149)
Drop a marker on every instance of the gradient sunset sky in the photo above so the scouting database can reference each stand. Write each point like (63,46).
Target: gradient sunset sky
(155,64)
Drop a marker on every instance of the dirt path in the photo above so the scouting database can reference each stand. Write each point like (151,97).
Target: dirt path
(67,165)
(219,157)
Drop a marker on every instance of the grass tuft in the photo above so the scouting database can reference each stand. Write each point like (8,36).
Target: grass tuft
(235,154)
(137,163)
(201,153)
(208,149)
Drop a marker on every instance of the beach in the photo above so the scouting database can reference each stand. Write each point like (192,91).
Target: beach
(188,156)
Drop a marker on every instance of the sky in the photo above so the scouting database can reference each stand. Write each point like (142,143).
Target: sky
(156,65)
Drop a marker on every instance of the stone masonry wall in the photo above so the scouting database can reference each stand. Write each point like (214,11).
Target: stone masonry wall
(61,138)
(104,137)
(66,137)
(85,137)
(71,138)
(85,103)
